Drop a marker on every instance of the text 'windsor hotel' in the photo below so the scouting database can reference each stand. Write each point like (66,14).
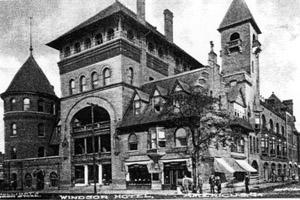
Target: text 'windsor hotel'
(123,65)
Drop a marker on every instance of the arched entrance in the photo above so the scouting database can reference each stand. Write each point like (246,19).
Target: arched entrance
(85,144)
(40,176)
(266,171)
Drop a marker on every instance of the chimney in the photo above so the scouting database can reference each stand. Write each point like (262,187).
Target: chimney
(168,25)
(141,10)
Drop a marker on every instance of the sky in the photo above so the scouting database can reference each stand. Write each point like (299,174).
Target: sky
(195,24)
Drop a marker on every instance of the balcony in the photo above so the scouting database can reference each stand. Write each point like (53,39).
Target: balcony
(103,126)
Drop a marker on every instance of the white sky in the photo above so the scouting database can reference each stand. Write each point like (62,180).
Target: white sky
(195,24)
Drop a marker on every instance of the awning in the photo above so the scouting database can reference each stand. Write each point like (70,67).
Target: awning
(245,165)
(221,165)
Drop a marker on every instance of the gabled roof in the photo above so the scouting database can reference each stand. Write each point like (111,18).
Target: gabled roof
(30,78)
(238,13)
(162,91)
(143,96)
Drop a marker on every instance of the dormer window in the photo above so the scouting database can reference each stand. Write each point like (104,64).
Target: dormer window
(137,107)
(98,39)
(67,51)
(156,101)
(110,34)
(150,47)
(87,43)
(77,47)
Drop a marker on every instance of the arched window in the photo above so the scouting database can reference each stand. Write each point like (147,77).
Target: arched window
(106,76)
(271,125)
(13,129)
(12,104)
(150,47)
(41,130)
(83,84)
(72,86)
(13,153)
(130,76)
(234,36)
(53,179)
(132,142)
(277,128)
(67,51)
(28,180)
(95,80)
(41,152)
(181,137)
(160,52)
(98,39)
(110,34)
(87,43)
(282,130)
(130,35)
(26,104)
(77,47)
(263,119)
(40,105)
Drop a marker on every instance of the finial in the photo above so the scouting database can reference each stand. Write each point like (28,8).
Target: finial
(30,39)
(212,45)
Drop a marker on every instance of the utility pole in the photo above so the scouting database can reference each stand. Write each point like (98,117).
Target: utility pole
(93,145)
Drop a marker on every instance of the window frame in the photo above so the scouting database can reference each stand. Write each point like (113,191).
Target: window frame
(106,76)
(132,142)
(82,83)
(130,75)
(72,87)
(14,130)
(95,82)
(26,104)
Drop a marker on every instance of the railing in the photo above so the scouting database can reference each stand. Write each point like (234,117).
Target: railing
(88,127)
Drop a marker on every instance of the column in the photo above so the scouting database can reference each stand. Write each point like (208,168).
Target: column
(86,175)
(100,174)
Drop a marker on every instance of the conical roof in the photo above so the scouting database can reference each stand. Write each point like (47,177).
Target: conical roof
(238,13)
(30,78)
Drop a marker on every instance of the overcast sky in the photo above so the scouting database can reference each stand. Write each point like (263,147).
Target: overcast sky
(195,24)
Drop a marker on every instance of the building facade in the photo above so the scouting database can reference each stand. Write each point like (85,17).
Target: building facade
(116,71)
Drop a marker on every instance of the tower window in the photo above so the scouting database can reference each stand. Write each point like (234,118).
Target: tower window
(12,104)
(95,80)
(67,51)
(83,84)
(98,39)
(234,36)
(77,48)
(106,76)
(72,87)
(26,104)
(110,34)
(87,43)
(41,130)
(13,129)
(41,152)
(130,76)
(13,153)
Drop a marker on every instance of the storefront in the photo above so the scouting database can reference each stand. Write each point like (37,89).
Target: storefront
(174,173)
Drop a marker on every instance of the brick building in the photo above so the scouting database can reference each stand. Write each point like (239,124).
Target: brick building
(119,62)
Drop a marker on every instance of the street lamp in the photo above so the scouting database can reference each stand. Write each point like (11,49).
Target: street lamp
(93,145)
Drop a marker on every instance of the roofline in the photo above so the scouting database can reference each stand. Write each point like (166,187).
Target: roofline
(251,20)
(6,94)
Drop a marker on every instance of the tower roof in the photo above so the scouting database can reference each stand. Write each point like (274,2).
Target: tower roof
(30,78)
(238,13)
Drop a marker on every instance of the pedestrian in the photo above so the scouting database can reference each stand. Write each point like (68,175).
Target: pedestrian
(218,184)
(200,184)
(185,184)
(247,180)
(211,181)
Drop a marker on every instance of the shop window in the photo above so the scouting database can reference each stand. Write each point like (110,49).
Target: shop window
(79,174)
(83,86)
(110,34)
(12,104)
(41,152)
(181,137)
(106,76)
(72,87)
(98,39)
(13,153)
(91,174)
(13,129)
(41,130)
(67,51)
(77,47)
(139,175)
(40,105)
(132,142)
(26,104)
(106,174)
(28,180)
(95,80)
(87,43)
(53,179)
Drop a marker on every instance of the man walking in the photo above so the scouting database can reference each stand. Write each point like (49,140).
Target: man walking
(200,184)
(211,181)
(247,184)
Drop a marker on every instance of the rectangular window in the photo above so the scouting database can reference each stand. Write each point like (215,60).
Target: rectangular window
(161,137)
